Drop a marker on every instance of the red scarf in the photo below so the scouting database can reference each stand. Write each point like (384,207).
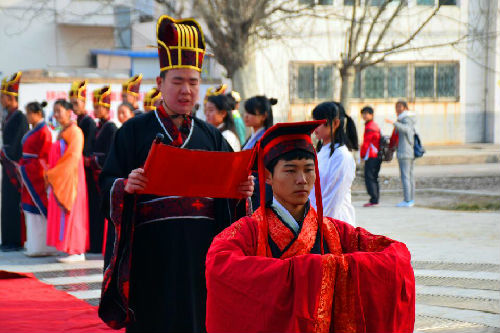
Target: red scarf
(179,135)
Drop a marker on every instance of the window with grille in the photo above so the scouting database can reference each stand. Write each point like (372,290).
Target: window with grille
(447,80)
(312,82)
(374,82)
(408,81)
(424,81)
(397,81)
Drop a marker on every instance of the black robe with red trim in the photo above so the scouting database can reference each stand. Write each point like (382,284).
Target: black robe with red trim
(155,280)
(103,140)
(13,130)
(89,128)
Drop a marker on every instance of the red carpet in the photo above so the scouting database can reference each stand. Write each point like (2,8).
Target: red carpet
(28,305)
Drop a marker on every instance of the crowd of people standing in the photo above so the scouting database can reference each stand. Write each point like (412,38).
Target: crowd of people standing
(287,259)
(56,181)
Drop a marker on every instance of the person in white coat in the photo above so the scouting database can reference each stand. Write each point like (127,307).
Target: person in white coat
(336,165)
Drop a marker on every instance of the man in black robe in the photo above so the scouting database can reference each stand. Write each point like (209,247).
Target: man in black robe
(14,126)
(78,97)
(155,280)
(103,140)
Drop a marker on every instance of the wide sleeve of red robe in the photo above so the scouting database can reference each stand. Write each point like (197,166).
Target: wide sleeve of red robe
(370,287)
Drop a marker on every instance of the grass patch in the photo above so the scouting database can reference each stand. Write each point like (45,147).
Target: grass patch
(471,206)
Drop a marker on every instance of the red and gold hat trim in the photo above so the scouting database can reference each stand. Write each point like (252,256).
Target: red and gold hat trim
(132,85)
(102,96)
(11,86)
(150,99)
(187,40)
(79,90)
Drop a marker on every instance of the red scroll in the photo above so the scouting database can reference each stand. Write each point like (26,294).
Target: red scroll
(195,173)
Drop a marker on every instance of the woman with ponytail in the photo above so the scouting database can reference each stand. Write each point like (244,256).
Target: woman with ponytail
(337,169)
(259,117)
(36,147)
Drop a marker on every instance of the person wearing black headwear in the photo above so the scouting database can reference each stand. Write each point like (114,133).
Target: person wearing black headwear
(336,164)
(14,126)
(154,281)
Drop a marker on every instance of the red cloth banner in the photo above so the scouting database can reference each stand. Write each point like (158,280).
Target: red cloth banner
(195,173)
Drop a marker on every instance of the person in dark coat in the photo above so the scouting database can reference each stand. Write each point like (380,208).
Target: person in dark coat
(14,126)
(155,279)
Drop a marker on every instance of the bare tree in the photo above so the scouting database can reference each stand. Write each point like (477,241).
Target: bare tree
(236,26)
(370,37)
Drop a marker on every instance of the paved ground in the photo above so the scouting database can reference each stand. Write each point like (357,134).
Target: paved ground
(456,257)
(455,254)
(450,170)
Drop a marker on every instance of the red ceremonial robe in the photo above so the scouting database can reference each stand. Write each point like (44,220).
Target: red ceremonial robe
(365,282)
(36,147)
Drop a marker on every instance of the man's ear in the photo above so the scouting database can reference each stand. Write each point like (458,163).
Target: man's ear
(159,81)
(269,177)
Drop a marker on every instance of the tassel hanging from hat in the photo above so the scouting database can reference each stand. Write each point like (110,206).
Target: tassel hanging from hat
(319,202)
(263,224)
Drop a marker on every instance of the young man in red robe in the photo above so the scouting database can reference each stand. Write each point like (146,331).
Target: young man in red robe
(289,269)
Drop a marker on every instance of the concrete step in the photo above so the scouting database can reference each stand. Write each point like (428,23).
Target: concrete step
(460,279)
(455,266)
(466,317)
(426,323)
(472,299)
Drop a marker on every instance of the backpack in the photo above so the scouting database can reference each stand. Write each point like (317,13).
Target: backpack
(385,153)
(418,148)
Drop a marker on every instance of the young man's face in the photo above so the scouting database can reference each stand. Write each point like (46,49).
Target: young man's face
(7,101)
(366,116)
(180,89)
(129,98)
(101,112)
(292,181)
(78,105)
(399,108)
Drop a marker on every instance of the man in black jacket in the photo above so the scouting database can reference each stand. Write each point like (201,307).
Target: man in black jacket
(14,126)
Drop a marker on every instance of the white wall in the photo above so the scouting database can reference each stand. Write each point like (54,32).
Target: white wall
(32,40)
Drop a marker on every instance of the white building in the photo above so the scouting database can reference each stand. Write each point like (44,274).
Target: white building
(56,42)
(454,90)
